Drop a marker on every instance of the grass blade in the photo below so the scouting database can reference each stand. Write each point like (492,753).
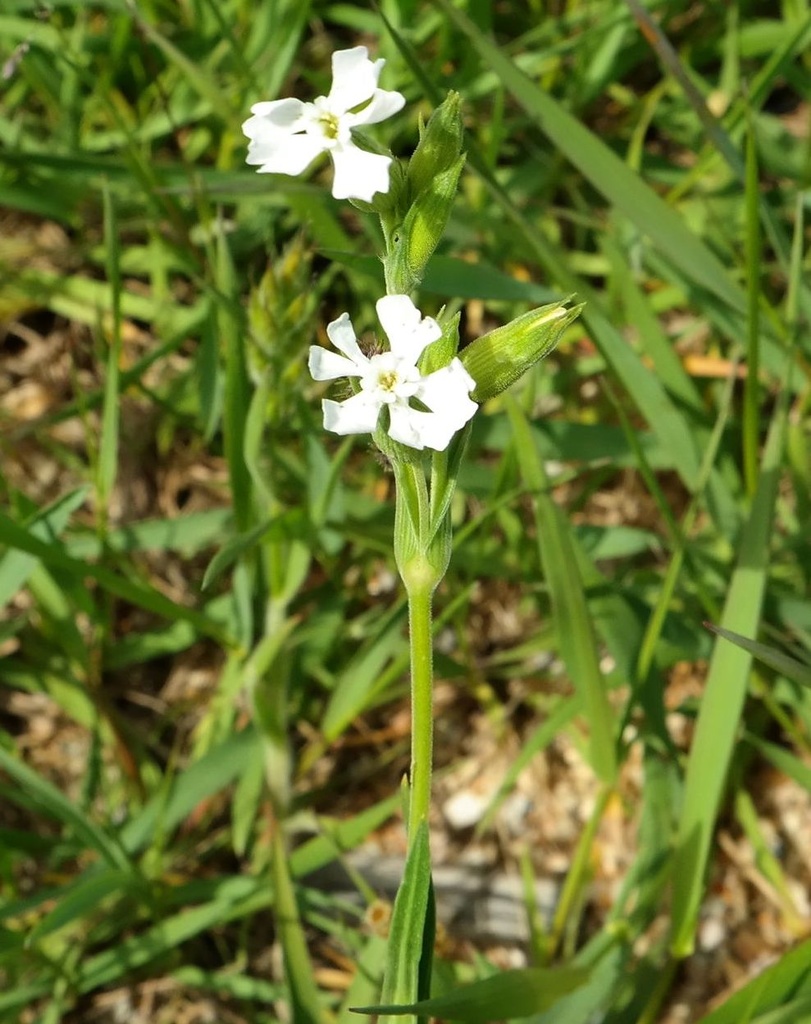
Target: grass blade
(791,668)
(772,990)
(604,169)
(724,695)
(107,468)
(16,566)
(576,637)
(517,993)
(18,537)
(751,387)
(297,965)
(58,806)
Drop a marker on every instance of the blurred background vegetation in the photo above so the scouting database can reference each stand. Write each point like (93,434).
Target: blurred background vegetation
(180,540)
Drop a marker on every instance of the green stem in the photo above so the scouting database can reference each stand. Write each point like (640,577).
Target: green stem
(398,277)
(422,718)
(654,1005)
(304,1000)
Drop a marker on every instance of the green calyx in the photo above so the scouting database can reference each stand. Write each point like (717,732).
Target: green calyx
(430,181)
(426,220)
(422,523)
(498,359)
(439,148)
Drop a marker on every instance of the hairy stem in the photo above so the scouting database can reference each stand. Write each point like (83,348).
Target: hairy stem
(422,721)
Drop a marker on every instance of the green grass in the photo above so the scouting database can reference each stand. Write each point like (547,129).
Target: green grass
(183,549)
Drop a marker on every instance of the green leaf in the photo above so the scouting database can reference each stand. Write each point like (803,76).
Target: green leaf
(107,468)
(791,668)
(770,993)
(458,279)
(55,555)
(212,773)
(83,899)
(724,694)
(406,938)
(16,566)
(507,996)
(235,897)
(340,836)
(230,321)
(196,76)
(606,959)
(186,534)
(288,525)
(365,983)
(58,806)
(361,676)
(605,170)
(298,967)
(782,759)
(575,632)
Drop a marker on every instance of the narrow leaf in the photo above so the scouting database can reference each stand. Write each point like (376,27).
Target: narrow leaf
(508,995)
(604,169)
(575,633)
(401,982)
(791,668)
(724,696)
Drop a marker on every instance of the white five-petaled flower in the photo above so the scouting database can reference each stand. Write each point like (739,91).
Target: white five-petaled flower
(287,135)
(392,379)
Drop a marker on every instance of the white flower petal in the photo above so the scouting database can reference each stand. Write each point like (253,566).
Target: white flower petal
(397,314)
(436,432)
(342,335)
(358,175)
(357,415)
(326,365)
(404,425)
(447,392)
(281,153)
(354,78)
(409,333)
(280,114)
(420,429)
(383,104)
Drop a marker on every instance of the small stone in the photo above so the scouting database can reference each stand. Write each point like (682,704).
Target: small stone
(711,934)
(464,809)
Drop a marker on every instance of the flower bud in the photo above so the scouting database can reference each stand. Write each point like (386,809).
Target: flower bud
(432,178)
(499,358)
(428,216)
(439,148)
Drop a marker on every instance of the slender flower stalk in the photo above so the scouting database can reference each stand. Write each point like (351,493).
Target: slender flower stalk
(422,551)
(420,600)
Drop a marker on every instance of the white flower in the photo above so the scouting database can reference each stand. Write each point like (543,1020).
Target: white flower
(392,379)
(287,135)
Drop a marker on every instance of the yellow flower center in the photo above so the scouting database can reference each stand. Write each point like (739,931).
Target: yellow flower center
(329,125)
(388,379)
